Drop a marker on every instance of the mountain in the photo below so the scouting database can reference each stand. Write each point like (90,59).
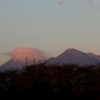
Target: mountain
(22,57)
(74,56)
(97,57)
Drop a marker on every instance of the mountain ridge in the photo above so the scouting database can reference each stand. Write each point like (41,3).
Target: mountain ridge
(70,55)
(75,56)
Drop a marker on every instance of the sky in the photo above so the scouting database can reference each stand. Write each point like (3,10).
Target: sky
(49,25)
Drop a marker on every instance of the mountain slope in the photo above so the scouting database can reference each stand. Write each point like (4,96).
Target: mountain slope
(70,55)
(97,57)
(74,56)
(22,57)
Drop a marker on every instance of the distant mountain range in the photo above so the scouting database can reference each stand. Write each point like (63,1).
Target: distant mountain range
(74,56)
(70,55)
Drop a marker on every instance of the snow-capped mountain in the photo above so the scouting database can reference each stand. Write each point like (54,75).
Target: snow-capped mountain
(22,57)
(74,56)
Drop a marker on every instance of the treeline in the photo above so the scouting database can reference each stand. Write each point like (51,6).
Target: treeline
(47,82)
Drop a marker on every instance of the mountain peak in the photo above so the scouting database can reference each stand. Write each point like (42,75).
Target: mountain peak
(71,49)
(22,55)
(75,56)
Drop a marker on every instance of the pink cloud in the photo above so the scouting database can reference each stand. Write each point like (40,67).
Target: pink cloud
(20,53)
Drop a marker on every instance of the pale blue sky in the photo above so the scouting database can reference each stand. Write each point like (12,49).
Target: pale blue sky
(49,26)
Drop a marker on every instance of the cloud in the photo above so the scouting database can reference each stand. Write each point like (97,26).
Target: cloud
(93,3)
(7,53)
(90,2)
(61,2)
(26,52)
(87,1)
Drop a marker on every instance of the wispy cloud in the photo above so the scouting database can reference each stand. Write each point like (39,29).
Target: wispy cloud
(61,2)
(93,3)
(7,53)
(26,51)
(90,2)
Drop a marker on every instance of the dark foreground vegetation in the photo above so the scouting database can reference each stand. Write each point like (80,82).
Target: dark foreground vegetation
(47,82)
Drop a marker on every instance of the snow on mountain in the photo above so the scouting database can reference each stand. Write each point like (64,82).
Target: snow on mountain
(23,56)
(74,56)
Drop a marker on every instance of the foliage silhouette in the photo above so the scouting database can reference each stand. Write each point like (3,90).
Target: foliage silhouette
(54,81)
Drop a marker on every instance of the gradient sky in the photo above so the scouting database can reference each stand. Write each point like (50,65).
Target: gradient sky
(49,26)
